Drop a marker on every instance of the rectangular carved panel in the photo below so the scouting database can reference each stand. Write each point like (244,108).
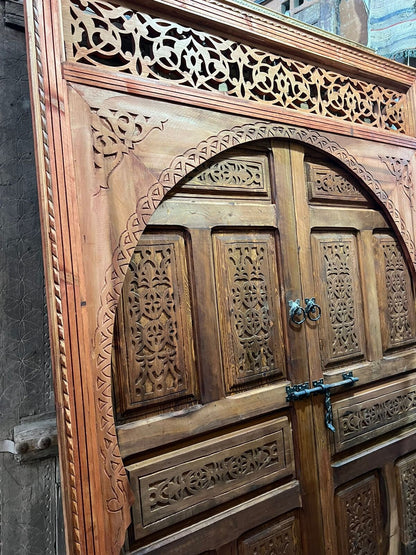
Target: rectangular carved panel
(341,329)
(281,538)
(406,482)
(248,303)
(236,173)
(369,414)
(359,518)
(397,305)
(188,481)
(327,184)
(157,324)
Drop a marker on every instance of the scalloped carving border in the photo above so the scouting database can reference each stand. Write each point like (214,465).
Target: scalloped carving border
(179,168)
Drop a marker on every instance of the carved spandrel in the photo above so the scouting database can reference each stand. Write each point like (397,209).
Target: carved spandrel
(233,173)
(247,289)
(397,306)
(341,328)
(373,413)
(282,538)
(327,184)
(115,133)
(406,485)
(359,518)
(189,481)
(116,38)
(157,323)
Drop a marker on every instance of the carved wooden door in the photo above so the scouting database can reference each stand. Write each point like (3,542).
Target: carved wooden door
(218,459)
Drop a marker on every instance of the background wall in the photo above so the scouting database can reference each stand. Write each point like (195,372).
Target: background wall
(29,492)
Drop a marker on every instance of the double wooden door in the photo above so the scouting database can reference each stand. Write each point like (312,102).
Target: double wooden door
(219,459)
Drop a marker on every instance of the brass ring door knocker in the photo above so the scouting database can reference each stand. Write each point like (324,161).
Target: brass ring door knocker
(312,310)
(297,314)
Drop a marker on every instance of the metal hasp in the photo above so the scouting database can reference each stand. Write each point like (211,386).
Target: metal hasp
(303,391)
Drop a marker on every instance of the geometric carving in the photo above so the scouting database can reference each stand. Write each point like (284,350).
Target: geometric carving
(120,39)
(232,174)
(157,324)
(191,480)
(359,518)
(395,292)
(250,324)
(339,280)
(406,481)
(115,133)
(373,413)
(281,538)
(326,183)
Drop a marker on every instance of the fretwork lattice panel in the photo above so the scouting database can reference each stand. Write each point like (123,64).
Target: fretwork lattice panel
(117,38)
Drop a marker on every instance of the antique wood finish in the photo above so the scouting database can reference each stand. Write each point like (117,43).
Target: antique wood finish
(201,164)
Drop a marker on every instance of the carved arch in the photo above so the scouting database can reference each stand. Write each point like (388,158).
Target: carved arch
(116,483)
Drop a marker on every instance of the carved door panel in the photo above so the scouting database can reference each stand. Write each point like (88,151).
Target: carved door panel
(219,461)
(202,362)
(352,262)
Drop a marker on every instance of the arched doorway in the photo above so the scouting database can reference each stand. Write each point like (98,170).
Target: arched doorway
(220,456)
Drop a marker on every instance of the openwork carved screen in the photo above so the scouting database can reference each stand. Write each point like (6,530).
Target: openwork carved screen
(117,38)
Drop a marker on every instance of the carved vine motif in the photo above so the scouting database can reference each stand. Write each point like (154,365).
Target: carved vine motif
(196,481)
(231,174)
(337,263)
(179,168)
(154,323)
(115,133)
(326,183)
(401,171)
(397,298)
(362,520)
(117,38)
(355,422)
(281,543)
(250,315)
(407,481)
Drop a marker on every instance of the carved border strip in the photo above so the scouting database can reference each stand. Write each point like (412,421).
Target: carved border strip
(179,168)
(49,230)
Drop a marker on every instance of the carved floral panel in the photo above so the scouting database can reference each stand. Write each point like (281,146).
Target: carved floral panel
(341,328)
(282,538)
(395,294)
(157,324)
(406,480)
(331,185)
(190,480)
(359,518)
(117,38)
(247,289)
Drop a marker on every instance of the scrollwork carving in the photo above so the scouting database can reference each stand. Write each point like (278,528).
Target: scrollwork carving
(121,39)
(115,133)
(401,171)
(406,469)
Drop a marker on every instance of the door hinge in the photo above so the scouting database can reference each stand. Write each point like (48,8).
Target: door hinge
(35,439)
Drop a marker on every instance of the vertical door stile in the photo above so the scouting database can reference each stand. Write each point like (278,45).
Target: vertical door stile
(313,359)
(313,538)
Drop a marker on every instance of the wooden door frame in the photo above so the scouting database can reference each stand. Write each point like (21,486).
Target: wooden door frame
(95,488)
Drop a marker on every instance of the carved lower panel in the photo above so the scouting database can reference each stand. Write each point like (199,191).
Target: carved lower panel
(395,294)
(358,512)
(331,185)
(406,482)
(157,328)
(248,293)
(341,328)
(234,173)
(282,538)
(186,482)
(370,414)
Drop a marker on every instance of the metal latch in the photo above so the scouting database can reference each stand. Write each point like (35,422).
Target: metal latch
(302,391)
